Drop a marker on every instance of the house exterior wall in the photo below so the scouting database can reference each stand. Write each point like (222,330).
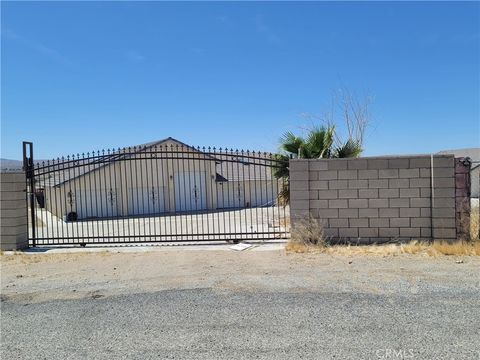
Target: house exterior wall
(247,193)
(376,199)
(123,177)
(475,180)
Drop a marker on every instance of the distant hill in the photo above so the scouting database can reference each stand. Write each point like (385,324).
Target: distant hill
(10,165)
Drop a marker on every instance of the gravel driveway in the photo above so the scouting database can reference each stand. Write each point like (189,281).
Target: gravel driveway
(180,304)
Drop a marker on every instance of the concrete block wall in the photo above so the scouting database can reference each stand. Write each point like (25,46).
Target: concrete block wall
(376,199)
(13,212)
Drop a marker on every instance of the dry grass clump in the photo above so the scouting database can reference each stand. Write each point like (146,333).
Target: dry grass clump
(438,248)
(434,249)
(307,233)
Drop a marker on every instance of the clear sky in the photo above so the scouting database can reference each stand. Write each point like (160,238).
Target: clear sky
(77,77)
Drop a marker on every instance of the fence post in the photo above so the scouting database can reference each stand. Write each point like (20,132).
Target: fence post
(13,211)
(299,192)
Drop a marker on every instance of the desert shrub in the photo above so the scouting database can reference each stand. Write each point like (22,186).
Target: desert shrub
(308,232)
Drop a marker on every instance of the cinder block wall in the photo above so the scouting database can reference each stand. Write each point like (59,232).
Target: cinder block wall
(13,212)
(376,199)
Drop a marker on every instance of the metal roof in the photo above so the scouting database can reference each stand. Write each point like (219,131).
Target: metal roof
(230,166)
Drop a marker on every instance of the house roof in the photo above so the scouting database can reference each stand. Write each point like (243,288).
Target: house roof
(228,167)
(82,166)
(242,168)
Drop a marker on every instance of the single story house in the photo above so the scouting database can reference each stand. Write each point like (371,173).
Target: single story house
(165,176)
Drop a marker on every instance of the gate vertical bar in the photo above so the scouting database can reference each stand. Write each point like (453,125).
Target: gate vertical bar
(30,180)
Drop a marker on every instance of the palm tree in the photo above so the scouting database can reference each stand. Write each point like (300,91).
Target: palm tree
(320,143)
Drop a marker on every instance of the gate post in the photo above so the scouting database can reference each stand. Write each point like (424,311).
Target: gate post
(30,183)
(13,212)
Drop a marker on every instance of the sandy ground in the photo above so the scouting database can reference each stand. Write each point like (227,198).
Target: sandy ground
(43,277)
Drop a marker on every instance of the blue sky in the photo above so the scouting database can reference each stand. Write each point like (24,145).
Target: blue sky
(78,77)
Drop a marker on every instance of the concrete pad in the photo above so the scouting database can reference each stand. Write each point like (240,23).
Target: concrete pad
(140,248)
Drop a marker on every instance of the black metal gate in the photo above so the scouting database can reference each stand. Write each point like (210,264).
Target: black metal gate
(159,192)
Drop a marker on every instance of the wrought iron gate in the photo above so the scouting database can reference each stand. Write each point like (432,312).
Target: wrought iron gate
(159,192)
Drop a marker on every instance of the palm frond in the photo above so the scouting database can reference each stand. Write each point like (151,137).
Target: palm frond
(291,143)
(320,141)
(350,149)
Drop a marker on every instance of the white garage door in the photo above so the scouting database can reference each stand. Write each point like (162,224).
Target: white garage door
(230,195)
(190,191)
(96,203)
(146,200)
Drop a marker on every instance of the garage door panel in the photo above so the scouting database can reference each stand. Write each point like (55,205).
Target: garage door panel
(190,191)
(230,195)
(146,200)
(97,203)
